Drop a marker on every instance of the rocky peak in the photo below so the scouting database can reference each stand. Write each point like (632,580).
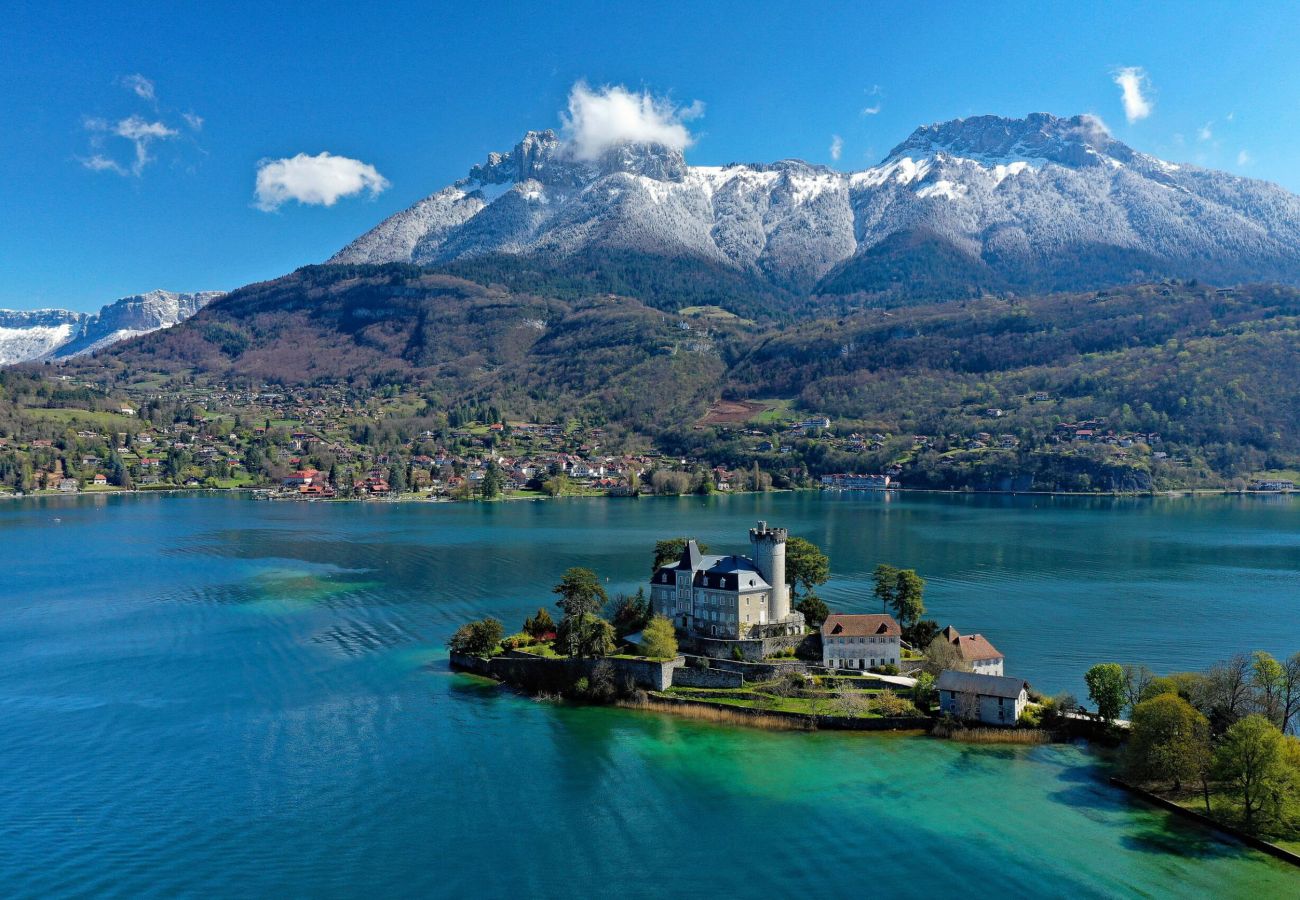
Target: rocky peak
(543,157)
(1078,141)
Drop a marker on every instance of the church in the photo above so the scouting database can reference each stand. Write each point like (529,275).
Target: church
(729,597)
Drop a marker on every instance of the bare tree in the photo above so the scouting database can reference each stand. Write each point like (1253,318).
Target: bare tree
(941,654)
(1136,681)
(1229,686)
(1291,692)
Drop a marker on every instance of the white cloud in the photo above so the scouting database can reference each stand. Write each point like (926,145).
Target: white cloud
(193,120)
(1244,158)
(99,163)
(140,86)
(874,108)
(1205,132)
(1134,88)
(140,132)
(609,116)
(837,146)
(316,180)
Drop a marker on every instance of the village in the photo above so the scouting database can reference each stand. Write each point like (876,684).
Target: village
(330,443)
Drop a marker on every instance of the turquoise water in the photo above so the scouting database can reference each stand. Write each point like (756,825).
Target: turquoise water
(204,695)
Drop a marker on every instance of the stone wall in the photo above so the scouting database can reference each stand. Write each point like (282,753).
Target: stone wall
(807,646)
(692,676)
(536,673)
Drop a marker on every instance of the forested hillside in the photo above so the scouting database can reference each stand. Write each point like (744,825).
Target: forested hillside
(1154,385)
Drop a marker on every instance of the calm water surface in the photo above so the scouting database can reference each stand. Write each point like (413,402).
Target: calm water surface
(207,695)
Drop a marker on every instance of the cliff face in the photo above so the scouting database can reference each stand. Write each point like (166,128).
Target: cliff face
(62,334)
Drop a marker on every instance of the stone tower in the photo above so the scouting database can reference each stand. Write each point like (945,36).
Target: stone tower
(769,556)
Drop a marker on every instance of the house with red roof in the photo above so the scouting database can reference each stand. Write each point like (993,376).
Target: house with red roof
(860,641)
(976,650)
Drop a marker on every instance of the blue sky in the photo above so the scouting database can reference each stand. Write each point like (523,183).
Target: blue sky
(114,184)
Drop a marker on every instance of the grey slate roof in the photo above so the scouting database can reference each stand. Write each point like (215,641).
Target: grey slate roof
(986,685)
(729,573)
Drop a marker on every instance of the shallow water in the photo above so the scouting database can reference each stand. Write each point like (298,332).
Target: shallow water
(211,695)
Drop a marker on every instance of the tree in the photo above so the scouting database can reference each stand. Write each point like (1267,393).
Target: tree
(909,597)
(1290,691)
(886,577)
(1267,681)
(493,482)
(397,478)
(942,654)
(923,692)
(581,597)
(1228,687)
(539,625)
(1169,742)
(921,633)
(658,639)
(476,638)
(1137,680)
(805,565)
(1106,689)
(814,608)
(1252,759)
(557,486)
(590,636)
(629,612)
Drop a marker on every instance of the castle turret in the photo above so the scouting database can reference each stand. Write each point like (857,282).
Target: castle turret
(769,556)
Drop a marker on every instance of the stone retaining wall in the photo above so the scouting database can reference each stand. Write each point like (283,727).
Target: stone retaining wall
(692,676)
(1247,839)
(537,673)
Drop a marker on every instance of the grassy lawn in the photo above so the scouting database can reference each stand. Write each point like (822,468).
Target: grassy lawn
(1277,475)
(777,411)
(1222,810)
(107,421)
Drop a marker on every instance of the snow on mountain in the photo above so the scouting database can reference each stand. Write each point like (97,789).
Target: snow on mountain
(1040,201)
(61,334)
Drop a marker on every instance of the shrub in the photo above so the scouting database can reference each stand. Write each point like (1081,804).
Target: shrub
(516,641)
(477,638)
(890,705)
(1032,717)
(658,639)
(540,625)
(737,654)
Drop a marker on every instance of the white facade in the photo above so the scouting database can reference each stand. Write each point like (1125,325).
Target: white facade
(859,652)
(860,641)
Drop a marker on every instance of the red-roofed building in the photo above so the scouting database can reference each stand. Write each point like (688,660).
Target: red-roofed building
(860,642)
(301,478)
(975,649)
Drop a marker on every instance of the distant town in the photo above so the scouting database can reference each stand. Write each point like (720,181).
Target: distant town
(332,443)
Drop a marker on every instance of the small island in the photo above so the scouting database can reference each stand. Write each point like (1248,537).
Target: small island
(744,639)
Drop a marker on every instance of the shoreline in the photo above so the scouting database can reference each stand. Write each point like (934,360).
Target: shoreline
(1173,493)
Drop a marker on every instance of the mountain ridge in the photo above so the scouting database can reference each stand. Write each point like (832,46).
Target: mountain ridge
(29,335)
(1017,198)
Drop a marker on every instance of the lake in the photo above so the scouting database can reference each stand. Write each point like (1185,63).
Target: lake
(210,695)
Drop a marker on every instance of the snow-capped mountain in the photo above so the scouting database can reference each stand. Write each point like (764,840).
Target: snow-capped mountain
(1036,202)
(61,334)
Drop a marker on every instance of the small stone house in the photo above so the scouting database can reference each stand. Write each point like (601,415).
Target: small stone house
(860,641)
(992,699)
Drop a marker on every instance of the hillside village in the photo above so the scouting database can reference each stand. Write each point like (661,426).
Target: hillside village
(67,436)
